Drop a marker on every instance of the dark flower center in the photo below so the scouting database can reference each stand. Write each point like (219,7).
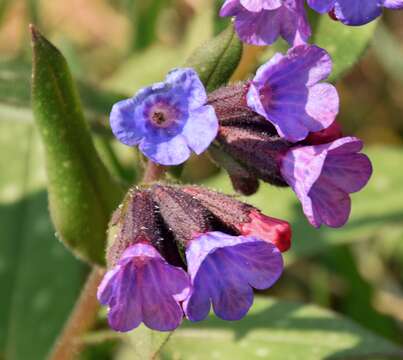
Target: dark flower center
(158,117)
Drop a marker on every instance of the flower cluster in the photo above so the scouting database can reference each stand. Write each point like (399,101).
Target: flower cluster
(177,250)
(280,128)
(262,22)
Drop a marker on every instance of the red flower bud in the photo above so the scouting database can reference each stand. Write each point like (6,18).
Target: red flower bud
(269,229)
(333,132)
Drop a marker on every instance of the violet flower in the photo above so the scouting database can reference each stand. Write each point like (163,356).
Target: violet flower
(167,120)
(354,12)
(323,176)
(143,287)
(223,267)
(262,22)
(145,281)
(288,92)
(224,270)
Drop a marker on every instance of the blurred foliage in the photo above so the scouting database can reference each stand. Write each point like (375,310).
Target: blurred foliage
(115,47)
(278,330)
(40,279)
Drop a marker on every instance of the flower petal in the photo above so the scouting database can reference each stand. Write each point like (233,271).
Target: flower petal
(357,12)
(323,176)
(321,6)
(173,151)
(201,129)
(230,8)
(187,81)
(125,126)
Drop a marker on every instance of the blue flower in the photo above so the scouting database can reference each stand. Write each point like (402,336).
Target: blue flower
(355,12)
(167,120)
(224,269)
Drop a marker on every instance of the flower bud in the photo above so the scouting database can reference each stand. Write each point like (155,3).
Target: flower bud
(138,220)
(247,145)
(256,150)
(243,181)
(243,218)
(184,215)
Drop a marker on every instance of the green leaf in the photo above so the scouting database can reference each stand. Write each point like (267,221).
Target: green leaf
(143,343)
(82,194)
(216,60)
(346,44)
(278,330)
(368,220)
(40,279)
(220,23)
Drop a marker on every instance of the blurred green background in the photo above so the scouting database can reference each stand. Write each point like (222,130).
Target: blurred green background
(114,47)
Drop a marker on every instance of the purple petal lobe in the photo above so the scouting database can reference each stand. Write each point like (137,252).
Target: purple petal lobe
(323,176)
(259,5)
(201,129)
(173,151)
(321,6)
(230,8)
(393,4)
(357,12)
(143,287)
(187,81)
(224,269)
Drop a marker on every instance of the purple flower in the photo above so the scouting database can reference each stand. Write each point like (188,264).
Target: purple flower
(167,120)
(355,12)
(223,271)
(287,92)
(262,22)
(323,176)
(143,287)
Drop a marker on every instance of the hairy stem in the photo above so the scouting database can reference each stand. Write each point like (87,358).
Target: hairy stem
(81,319)
(153,172)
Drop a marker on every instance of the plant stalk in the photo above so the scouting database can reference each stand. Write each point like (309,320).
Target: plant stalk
(82,318)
